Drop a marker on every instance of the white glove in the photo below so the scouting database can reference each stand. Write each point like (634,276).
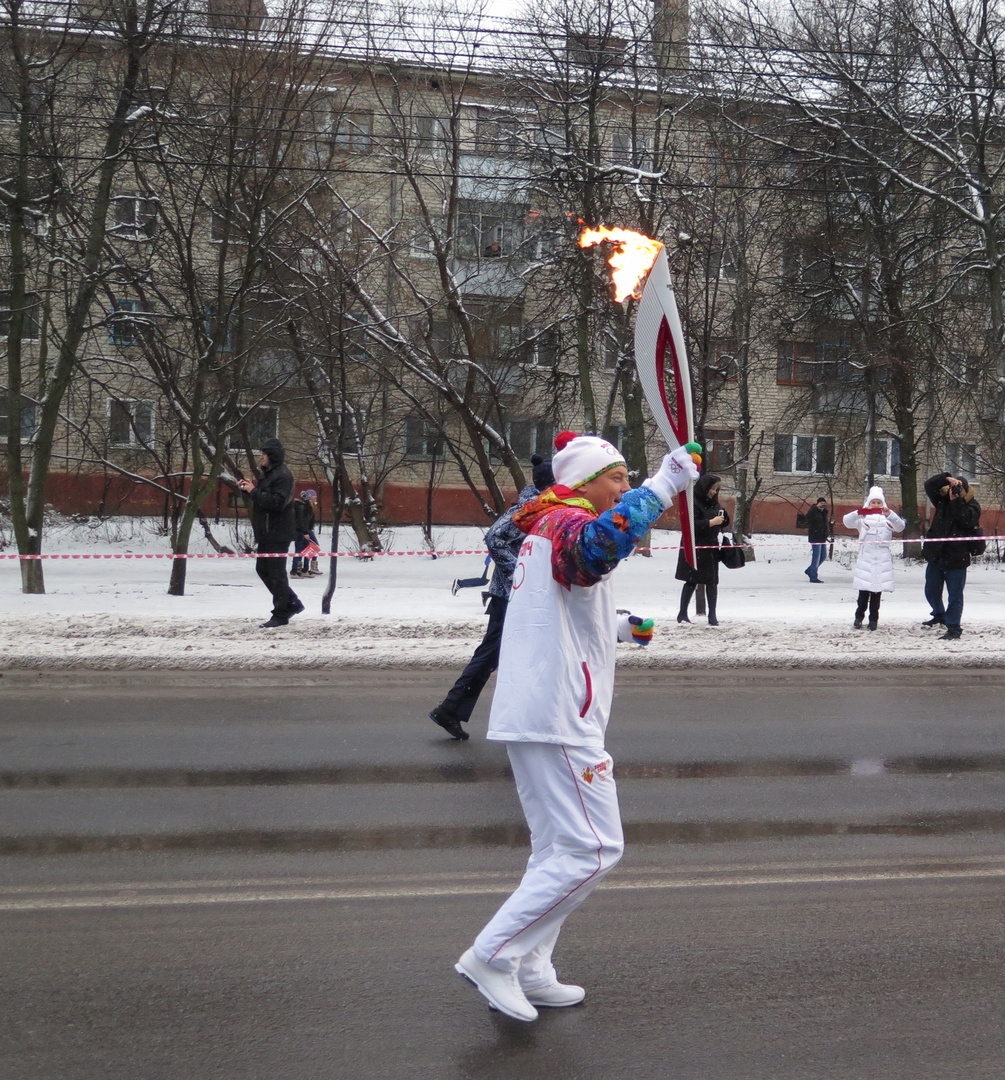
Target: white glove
(633,629)
(676,472)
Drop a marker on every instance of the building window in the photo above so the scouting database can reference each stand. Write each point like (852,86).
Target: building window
(495,133)
(961,460)
(626,149)
(130,423)
(805,363)
(614,350)
(27,420)
(722,265)
(214,329)
(423,439)
(886,457)
(807,454)
(527,437)
(488,230)
(964,369)
(796,363)
(123,330)
(260,422)
(803,264)
(721,358)
(422,243)
(135,216)
(719,449)
(353,131)
(541,348)
(30,321)
(432,135)
(616,434)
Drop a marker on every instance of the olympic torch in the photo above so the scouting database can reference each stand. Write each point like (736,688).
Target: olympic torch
(640,269)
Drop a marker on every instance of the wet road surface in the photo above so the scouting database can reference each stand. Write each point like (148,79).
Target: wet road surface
(278,875)
(851,958)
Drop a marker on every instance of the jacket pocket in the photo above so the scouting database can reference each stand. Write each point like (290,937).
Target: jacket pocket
(589,690)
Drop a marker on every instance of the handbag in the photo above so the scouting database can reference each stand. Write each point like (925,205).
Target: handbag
(731,555)
(802,521)
(977,546)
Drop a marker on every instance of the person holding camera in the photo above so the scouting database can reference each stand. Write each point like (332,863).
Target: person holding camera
(709,520)
(876,524)
(957,514)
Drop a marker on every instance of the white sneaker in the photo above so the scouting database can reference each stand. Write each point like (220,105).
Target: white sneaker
(555,995)
(500,988)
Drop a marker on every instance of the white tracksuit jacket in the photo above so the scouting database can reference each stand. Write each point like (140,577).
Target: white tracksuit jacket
(556,662)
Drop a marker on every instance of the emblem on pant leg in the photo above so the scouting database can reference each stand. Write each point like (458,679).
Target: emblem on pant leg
(600,770)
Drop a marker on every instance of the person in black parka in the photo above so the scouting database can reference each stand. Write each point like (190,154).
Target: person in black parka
(273,525)
(709,519)
(957,513)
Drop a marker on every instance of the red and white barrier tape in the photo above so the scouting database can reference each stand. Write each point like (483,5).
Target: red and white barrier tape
(841,540)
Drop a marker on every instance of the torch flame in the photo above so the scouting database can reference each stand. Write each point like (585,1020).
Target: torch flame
(632,258)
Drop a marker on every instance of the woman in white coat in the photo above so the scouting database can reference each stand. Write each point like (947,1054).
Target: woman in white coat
(876,524)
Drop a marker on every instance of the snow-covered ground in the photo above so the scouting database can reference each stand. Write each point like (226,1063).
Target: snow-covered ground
(398,610)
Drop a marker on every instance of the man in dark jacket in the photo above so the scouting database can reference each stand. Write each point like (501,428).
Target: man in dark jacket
(503,541)
(957,513)
(819,525)
(272,522)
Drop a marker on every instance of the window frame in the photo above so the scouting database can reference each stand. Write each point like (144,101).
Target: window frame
(891,451)
(958,468)
(429,433)
(247,411)
(32,316)
(28,409)
(143,223)
(117,327)
(720,442)
(134,441)
(796,450)
(350,136)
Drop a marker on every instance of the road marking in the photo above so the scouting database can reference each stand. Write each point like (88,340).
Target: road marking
(128,898)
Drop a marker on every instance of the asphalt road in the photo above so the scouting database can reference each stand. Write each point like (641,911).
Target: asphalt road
(798,959)
(855,932)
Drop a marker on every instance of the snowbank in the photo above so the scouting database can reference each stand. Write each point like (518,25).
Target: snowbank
(398,611)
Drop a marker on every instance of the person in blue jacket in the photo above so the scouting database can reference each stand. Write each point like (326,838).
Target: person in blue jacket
(503,541)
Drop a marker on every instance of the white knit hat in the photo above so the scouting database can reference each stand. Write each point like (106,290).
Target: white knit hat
(580,458)
(875,493)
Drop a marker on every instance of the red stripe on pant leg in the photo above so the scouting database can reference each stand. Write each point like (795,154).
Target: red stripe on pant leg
(600,863)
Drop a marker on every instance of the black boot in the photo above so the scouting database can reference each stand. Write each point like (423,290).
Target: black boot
(685,599)
(711,599)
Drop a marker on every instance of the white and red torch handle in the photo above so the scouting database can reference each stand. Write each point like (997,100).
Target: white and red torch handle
(659,353)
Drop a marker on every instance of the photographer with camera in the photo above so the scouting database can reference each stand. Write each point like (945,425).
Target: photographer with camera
(957,514)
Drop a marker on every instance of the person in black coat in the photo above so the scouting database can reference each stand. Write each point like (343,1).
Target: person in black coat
(709,519)
(273,524)
(818,521)
(957,513)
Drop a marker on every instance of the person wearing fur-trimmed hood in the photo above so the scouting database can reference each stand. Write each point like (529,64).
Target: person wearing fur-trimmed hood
(552,703)
(876,523)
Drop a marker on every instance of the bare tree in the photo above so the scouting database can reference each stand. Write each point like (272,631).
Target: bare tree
(59,164)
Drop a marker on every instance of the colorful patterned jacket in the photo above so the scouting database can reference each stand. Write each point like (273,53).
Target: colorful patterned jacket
(556,663)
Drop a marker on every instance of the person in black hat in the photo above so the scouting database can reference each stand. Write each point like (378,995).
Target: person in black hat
(503,541)
(273,525)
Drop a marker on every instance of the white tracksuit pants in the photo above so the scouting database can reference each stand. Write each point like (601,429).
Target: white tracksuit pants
(570,801)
